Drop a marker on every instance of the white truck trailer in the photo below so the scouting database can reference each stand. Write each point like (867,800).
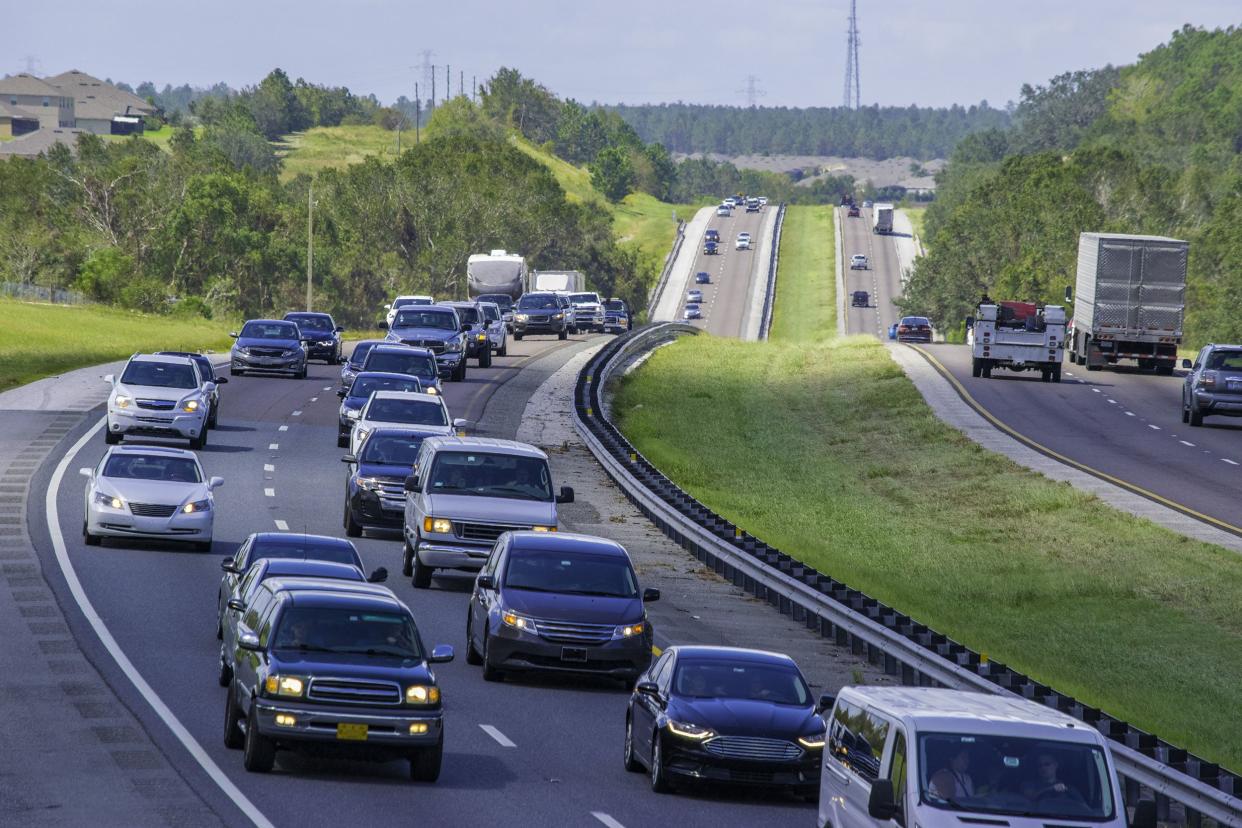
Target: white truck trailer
(571,281)
(1018,336)
(882,219)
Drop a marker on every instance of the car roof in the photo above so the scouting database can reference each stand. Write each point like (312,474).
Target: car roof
(389,394)
(402,431)
(186,354)
(490,445)
(291,315)
(386,346)
(169,450)
(265,321)
(296,537)
(310,568)
(296,583)
(346,596)
(696,652)
(383,375)
(567,542)
(161,358)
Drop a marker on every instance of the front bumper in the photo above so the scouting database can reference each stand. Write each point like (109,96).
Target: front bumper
(923,338)
(453,554)
(535,326)
(120,523)
(689,760)
(282,364)
(386,729)
(623,658)
(588,319)
(620,323)
(157,423)
(1228,405)
(321,349)
(447,362)
(373,511)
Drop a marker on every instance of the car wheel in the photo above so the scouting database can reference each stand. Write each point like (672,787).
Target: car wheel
(425,764)
(421,573)
(233,738)
(518,337)
(88,538)
(563,335)
(236,372)
(459,373)
(1056,373)
(1196,416)
(225,676)
(353,529)
(342,441)
(472,655)
(659,778)
(485,358)
(504,349)
(490,673)
(631,760)
(407,559)
(110,438)
(260,751)
(1185,410)
(987,369)
(302,373)
(1045,374)
(976,367)
(213,419)
(197,443)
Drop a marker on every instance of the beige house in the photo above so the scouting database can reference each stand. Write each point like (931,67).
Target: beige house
(100,107)
(15,121)
(40,99)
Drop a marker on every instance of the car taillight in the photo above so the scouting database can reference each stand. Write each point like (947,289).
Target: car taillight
(902,329)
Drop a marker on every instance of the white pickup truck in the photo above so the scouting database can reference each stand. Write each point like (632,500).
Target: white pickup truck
(1019,336)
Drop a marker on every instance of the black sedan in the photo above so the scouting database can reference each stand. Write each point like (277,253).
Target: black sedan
(914,329)
(320,335)
(702,278)
(725,714)
(375,486)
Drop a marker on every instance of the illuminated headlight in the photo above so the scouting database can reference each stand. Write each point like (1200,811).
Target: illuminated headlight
(197,506)
(440,526)
(419,728)
(453,345)
(1207,381)
(422,694)
(689,731)
(353,413)
(371,484)
(284,686)
(812,742)
(520,317)
(244,351)
(482,337)
(286,720)
(519,622)
(109,500)
(121,401)
(189,405)
(629,630)
(558,316)
(431,389)
(543,528)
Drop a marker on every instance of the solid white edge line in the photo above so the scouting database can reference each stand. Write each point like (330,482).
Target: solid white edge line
(606,819)
(501,739)
(282,526)
(118,655)
(1230,462)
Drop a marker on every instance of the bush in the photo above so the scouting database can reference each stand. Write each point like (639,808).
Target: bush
(105,274)
(146,295)
(192,306)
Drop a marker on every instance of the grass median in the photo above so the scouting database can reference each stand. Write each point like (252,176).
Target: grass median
(39,340)
(805,308)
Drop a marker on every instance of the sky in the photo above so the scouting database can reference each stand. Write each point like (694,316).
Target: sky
(636,51)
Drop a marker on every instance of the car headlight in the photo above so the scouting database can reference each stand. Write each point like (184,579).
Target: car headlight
(431,389)
(189,405)
(815,742)
(439,526)
(543,528)
(520,317)
(241,349)
(371,484)
(121,401)
(353,413)
(558,316)
(453,344)
(629,630)
(689,731)
(109,500)
(284,686)
(291,352)
(518,622)
(422,694)
(482,337)
(197,506)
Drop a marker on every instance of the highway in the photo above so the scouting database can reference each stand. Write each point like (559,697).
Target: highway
(882,279)
(547,751)
(728,300)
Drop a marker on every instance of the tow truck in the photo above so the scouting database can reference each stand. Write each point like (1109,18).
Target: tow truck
(1017,336)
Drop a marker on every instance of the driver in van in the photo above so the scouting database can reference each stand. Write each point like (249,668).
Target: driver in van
(1047,783)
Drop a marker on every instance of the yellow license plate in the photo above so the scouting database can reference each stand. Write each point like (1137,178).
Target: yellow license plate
(354,732)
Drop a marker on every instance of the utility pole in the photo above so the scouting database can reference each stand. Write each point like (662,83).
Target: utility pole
(461,83)
(418,113)
(310,241)
(474,88)
(752,91)
(432,104)
(853,86)
(448,81)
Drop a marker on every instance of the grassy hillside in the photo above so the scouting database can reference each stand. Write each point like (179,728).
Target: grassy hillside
(323,148)
(806,285)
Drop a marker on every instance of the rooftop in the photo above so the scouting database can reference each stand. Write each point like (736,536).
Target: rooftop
(26,84)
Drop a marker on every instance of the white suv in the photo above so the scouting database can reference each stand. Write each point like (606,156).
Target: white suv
(743,241)
(159,396)
(403,409)
(588,311)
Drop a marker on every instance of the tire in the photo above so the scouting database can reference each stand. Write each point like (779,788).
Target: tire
(1056,373)
(1045,374)
(425,764)
(1185,410)
(353,529)
(490,673)
(110,438)
(485,358)
(459,373)
(237,372)
(342,441)
(563,335)
(213,419)
(1196,417)
(659,779)
(987,369)
(88,538)
(407,559)
(628,757)
(199,442)
(518,337)
(420,574)
(233,738)
(473,656)
(225,676)
(504,349)
(1164,370)
(301,374)
(260,751)
(975,367)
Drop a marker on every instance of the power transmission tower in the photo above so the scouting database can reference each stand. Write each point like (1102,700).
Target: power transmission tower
(429,70)
(853,84)
(752,91)
(32,64)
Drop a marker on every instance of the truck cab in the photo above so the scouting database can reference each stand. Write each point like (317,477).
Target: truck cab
(1017,336)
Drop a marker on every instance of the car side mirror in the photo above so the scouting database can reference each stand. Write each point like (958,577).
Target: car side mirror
(220,380)
(881,804)
(647,688)
(387,307)
(970,322)
(339,329)
(248,641)
(486,581)
(460,424)
(378,576)
(86,472)
(566,495)
(237,604)
(1069,294)
(233,334)
(465,327)
(383,325)
(110,379)
(349,458)
(342,393)
(215,483)
(441,654)
(228,566)
(1186,363)
(1144,814)
(826,702)
(411,483)
(650,594)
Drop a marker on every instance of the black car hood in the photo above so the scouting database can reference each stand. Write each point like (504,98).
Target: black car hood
(398,334)
(395,471)
(319,336)
(745,717)
(586,609)
(260,342)
(350,665)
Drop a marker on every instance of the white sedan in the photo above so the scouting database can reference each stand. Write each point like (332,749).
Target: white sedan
(403,409)
(858,262)
(743,241)
(149,492)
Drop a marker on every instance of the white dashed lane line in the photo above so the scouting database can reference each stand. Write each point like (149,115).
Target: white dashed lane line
(1096,390)
(282,526)
(501,739)
(1129,413)
(269,492)
(1184,443)
(283,428)
(314,399)
(268,467)
(1154,427)
(273,446)
(1227,460)
(297,413)
(607,820)
(327,388)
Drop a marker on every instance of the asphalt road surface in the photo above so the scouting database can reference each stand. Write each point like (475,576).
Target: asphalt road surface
(728,297)
(882,279)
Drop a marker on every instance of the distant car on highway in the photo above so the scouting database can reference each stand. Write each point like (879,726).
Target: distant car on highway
(703,714)
(702,278)
(207,373)
(542,313)
(356,357)
(392,358)
(359,394)
(268,345)
(403,409)
(753,205)
(497,327)
(730,202)
(853,211)
(1214,384)
(743,241)
(375,484)
(561,603)
(858,262)
(692,311)
(860,299)
(476,336)
(712,235)
(617,315)
(505,302)
(320,335)
(724,211)
(710,248)
(405,302)
(694,295)
(150,492)
(159,396)
(914,329)
(439,328)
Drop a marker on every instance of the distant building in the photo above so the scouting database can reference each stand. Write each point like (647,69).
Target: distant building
(100,107)
(41,140)
(15,121)
(52,107)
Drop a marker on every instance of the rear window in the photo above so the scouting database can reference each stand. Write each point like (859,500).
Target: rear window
(366,386)
(279,548)
(408,412)
(916,320)
(360,352)
(1225,361)
(416,365)
(469,314)
(312,323)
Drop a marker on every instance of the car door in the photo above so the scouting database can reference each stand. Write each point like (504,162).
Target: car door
(247,663)
(246,590)
(1188,393)
(647,709)
(896,767)
(413,500)
(482,601)
(856,743)
(228,581)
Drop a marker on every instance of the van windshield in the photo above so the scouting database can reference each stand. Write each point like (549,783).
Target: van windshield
(1041,778)
(487,474)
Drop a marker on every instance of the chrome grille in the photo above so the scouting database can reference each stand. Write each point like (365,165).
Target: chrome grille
(267,352)
(436,346)
(393,490)
(156,405)
(567,633)
(483,531)
(752,747)
(151,509)
(354,691)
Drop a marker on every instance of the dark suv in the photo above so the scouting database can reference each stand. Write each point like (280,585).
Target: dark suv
(344,668)
(320,335)
(1214,384)
(478,343)
(541,313)
(505,301)
(562,603)
(375,485)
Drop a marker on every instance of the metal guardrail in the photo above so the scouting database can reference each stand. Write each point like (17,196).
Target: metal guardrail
(38,293)
(769,298)
(654,300)
(918,655)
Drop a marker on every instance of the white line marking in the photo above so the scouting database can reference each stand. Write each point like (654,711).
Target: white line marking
(1156,427)
(268,467)
(273,446)
(327,388)
(1112,402)
(118,655)
(1129,413)
(314,399)
(1184,443)
(607,820)
(1230,462)
(1096,390)
(269,492)
(297,413)
(501,738)
(282,526)
(283,428)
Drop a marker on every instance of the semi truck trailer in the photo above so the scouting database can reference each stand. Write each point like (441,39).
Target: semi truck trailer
(572,281)
(882,219)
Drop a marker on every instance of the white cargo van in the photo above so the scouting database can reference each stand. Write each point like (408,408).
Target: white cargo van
(933,758)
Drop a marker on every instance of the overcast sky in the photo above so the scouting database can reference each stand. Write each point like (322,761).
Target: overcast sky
(635,51)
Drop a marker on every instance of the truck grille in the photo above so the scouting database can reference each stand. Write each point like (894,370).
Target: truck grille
(434,345)
(568,633)
(151,509)
(156,405)
(354,691)
(392,489)
(752,747)
(484,531)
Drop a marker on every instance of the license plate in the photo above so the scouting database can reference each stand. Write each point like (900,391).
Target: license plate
(1234,385)
(270,360)
(352,732)
(573,654)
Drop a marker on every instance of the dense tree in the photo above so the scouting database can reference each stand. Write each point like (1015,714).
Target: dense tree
(612,173)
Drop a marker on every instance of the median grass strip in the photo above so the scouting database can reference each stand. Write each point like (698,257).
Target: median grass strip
(39,340)
(806,288)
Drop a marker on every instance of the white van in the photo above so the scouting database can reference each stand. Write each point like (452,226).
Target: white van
(933,758)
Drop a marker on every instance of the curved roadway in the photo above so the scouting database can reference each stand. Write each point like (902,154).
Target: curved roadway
(728,302)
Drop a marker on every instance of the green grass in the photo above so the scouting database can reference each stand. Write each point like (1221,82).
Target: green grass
(574,180)
(322,148)
(916,218)
(39,340)
(647,222)
(806,287)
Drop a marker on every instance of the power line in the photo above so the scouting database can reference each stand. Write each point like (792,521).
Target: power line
(853,84)
(752,91)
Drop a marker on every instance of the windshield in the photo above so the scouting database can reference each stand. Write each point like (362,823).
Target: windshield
(322,629)
(391,450)
(916,320)
(409,318)
(1225,361)
(312,323)
(505,301)
(490,312)
(270,330)
(1007,775)
(537,301)
(578,298)
(409,412)
(753,680)
(416,365)
(468,314)
(491,475)
(615,306)
(153,467)
(342,552)
(566,572)
(366,386)
(160,375)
